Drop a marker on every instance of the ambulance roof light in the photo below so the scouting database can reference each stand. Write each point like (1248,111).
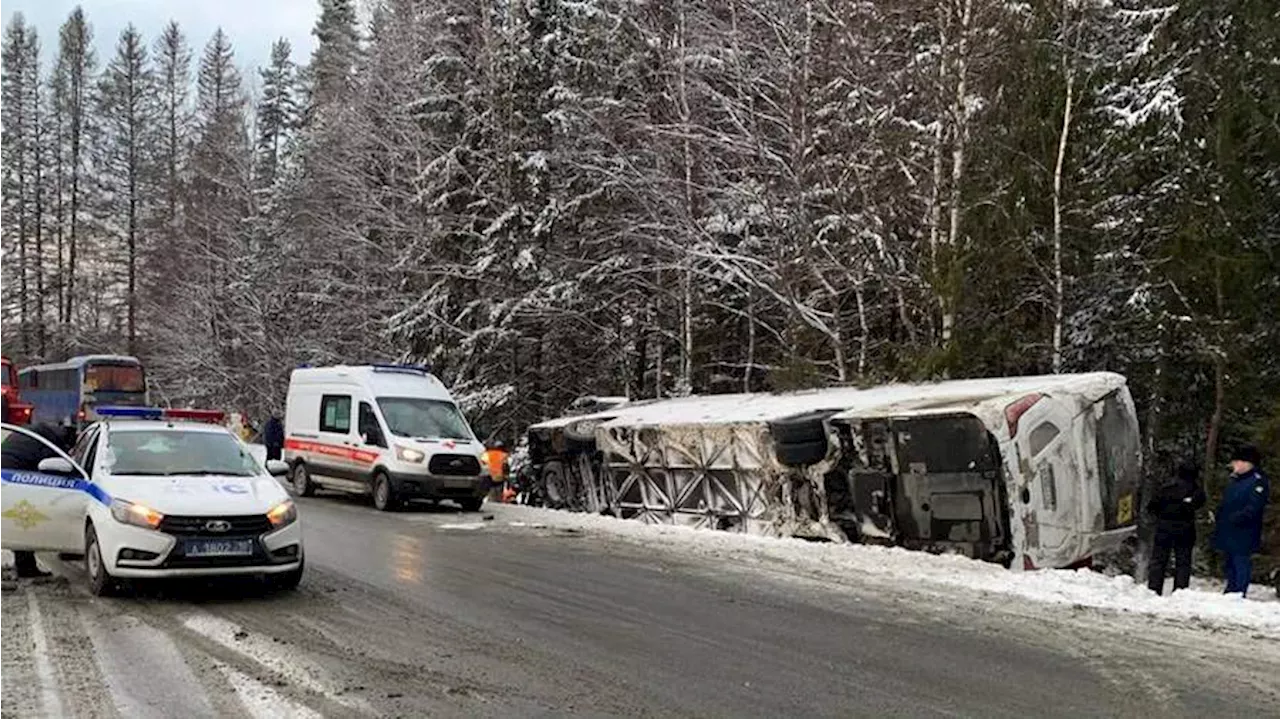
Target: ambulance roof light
(388,367)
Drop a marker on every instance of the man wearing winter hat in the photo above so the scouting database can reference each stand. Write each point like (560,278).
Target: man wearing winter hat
(1238,521)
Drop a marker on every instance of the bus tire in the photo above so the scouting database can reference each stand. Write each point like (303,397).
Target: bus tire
(800,428)
(801,454)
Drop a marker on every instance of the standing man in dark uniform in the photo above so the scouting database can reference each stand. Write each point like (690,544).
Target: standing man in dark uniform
(23,453)
(1238,521)
(273,436)
(1174,505)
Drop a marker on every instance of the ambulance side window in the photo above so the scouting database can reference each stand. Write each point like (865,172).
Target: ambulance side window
(369,430)
(335,414)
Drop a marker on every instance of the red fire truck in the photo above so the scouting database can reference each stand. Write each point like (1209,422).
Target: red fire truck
(15,411)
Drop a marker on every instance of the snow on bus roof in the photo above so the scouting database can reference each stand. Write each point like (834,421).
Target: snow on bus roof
(76,362)
(766,407)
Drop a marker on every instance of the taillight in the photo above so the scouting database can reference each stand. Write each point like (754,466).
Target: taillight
(1015,410)
(20,414)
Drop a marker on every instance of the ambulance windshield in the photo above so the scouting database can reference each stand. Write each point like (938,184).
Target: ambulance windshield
(426,418)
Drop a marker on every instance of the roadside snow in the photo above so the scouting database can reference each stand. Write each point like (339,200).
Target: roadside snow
(863,564)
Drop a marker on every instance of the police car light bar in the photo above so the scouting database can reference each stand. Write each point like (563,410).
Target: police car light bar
(128,412)
(214,416)
(155,413)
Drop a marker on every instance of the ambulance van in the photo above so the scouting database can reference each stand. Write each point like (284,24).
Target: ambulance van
(392,432)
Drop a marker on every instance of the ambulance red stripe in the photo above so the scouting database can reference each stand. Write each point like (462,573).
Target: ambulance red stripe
(330,450)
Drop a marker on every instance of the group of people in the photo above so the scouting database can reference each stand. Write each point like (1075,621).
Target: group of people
(1237,522)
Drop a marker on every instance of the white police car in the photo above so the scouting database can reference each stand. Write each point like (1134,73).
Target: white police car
(149,493)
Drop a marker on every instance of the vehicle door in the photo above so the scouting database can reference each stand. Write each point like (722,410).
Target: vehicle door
(1047,444)
(334,458)
(45,494)
(371,438)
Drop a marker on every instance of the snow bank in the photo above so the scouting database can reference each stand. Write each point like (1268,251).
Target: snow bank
(941,575)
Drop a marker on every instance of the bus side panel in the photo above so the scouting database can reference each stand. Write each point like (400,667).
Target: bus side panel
(54,395)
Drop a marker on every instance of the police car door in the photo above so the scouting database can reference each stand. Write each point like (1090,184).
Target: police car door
(43,505)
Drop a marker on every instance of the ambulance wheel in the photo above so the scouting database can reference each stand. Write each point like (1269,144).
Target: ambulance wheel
(300,481)
(471,504)
(101,583)
(384,497)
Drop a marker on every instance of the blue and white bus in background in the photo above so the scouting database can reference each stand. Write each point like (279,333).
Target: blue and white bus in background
(66,393)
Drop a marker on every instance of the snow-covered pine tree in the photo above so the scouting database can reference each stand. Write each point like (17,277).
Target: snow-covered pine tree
(277,114)
(73,80)
(128,117)
(18,165)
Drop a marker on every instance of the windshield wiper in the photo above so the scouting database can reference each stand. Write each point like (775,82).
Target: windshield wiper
(207,472)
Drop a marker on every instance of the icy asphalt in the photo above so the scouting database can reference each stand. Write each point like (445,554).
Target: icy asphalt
(431,612)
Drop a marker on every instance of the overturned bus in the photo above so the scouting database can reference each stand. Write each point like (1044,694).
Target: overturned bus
(1030,472)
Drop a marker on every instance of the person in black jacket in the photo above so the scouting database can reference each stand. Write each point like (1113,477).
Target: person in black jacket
(1174,505)
(21,452)
(273,436)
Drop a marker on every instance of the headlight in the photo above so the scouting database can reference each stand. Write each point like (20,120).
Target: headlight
(135,514)
(283,514)
(409,454)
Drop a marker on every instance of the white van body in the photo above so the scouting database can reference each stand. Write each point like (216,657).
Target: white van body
(390,431)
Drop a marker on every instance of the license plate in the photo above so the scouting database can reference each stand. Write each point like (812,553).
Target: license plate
(218,548)
(459,483)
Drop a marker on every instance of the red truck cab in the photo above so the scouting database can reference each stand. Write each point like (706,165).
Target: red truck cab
(15,411)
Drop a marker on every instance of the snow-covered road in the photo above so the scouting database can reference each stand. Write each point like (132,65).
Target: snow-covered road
(532,612)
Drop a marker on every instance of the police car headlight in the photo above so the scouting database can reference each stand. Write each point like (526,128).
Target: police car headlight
(136,514)
(283,514)
(409,454)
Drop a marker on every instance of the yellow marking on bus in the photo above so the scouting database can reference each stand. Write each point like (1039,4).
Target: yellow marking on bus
(1124,509)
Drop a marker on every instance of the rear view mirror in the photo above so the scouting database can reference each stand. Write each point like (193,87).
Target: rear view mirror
(57,465)
(277,468)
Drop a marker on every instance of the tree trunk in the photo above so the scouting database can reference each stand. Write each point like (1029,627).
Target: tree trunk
(960,136)
(751,341)
(1058,296)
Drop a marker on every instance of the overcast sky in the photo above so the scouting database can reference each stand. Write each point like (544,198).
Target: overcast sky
(252,25)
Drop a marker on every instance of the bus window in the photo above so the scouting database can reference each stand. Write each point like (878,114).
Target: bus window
(114,378)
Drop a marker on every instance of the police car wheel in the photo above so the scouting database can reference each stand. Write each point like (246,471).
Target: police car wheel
(100,581)
(300,481)
(384,498)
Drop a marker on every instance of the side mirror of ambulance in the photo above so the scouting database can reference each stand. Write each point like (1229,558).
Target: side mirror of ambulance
(277,467)
(57,465)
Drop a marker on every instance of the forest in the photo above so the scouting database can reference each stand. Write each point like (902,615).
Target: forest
(550,198)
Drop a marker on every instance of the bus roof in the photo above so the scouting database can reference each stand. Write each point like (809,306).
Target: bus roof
(82,360)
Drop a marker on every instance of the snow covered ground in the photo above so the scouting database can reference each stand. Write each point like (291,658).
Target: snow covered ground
(1203,604)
